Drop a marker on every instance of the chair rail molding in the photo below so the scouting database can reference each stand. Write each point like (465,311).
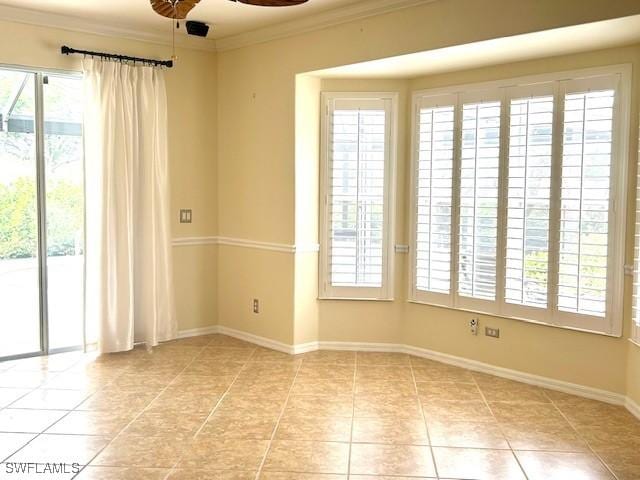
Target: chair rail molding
(245,243)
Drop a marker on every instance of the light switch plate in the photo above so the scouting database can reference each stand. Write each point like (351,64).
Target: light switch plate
(185,216)
(492,332)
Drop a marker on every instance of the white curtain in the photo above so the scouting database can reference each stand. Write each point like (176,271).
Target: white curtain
(129,289)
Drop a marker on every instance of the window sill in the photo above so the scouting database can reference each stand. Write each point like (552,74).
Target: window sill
(358,299)
(520,319)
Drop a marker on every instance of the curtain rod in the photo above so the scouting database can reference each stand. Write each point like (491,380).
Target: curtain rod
(69,51)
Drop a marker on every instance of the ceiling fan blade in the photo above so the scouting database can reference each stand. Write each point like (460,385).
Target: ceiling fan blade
(168,9)
(272,3)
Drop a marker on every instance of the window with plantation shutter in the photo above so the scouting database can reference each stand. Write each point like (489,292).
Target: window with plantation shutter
(635,314)
(527,216)
(585,201)
(529,201)
(434,196)
(357,171)
(478,215)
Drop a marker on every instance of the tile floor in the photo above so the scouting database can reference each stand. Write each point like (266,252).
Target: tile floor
(214,407)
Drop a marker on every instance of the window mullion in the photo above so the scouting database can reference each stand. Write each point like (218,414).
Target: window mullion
(358,209)
(455,213)
(555,204)
(503,176)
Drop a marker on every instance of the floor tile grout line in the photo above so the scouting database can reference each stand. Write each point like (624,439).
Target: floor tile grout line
(580,436)
(222,397)
(353,411)
(225,393)
(277,426)
(300,366)
(499,424)
(424,418)
(140,413)
(37,435)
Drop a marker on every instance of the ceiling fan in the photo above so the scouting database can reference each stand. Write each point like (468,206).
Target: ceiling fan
(179,9)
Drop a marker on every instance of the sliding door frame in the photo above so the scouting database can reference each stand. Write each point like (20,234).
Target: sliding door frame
(40,75)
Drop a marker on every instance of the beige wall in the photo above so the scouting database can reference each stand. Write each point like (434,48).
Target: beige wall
(243,157)
(191,92)
(259,158)
(583,358)
(577,357)
(633,372)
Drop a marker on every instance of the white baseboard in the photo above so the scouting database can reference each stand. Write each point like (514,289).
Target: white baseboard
(519,376)
(362,346)
(194,332)
(305,347)
(633,407)
(537,380)
(258,340)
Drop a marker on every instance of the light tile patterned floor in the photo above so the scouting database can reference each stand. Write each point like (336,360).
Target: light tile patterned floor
(214,407)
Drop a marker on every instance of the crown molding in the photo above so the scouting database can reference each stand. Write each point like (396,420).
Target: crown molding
(336,16)
(306,24)
(82,25)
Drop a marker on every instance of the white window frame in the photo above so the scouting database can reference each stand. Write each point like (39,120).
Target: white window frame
(386,291)
(635,311)
(558,83)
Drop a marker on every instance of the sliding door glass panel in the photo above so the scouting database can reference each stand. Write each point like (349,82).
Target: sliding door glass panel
(20,332)
(64,209)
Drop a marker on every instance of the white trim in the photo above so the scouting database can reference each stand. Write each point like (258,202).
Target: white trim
(337,16)
(256,339)
(307,248)
(526,80)
(190,241)
(246,243)
(617,77)
(84,25)
(195,332)
(474,365)
(359,100)
(243,242)
(305,24)
(633,407)
(529,378)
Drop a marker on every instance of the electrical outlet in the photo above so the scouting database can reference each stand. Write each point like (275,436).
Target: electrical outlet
(492,332)
(473,325)
(185,216)
(256,305)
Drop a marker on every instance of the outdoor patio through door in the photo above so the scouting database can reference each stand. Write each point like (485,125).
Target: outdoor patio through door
(41,213)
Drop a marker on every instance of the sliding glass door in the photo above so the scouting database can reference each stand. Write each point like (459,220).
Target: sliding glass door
(41,213)
(20,325)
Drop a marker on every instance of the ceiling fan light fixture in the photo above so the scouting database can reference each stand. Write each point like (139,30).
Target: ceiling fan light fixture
(175,9)
(272,3)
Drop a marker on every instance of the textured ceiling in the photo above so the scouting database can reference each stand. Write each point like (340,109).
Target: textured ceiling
(228,18)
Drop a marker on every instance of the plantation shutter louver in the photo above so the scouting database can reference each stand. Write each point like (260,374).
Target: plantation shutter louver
(434,196)
(529,201)
(357,197)
(585,202)
(519,199)
(635,315)
(478,215)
